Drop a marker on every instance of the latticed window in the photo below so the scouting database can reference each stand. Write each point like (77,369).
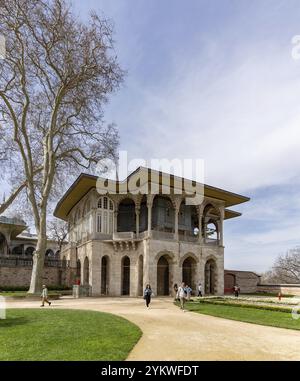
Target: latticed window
(99,222)
(105,215)
(105,203)
(111,222)
(105,222)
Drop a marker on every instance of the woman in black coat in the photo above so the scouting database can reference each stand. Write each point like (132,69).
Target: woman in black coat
(147,295)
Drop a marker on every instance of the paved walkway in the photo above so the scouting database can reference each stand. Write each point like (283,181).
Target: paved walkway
(170,334)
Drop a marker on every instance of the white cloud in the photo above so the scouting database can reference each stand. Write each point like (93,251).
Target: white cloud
(242,116)
(245,122)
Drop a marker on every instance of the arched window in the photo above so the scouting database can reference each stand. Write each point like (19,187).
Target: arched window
(211,218)
(29,250)
(49,253)
(212,230)
(17,250)
(105,215)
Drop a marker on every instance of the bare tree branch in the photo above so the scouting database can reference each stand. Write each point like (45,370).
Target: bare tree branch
(57,75)
(286,268)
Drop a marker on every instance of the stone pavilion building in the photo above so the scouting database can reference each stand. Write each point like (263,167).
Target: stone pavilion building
(122,240)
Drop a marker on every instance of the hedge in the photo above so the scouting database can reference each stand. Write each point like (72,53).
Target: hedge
(247,305)
(25,288)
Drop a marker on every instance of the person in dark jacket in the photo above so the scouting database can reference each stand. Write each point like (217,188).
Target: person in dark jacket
(147,295)
(236,290)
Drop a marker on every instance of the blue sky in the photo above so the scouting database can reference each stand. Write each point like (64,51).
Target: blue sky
(216,80)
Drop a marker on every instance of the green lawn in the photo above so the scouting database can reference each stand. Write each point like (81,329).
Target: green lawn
(250,315)
(50,334)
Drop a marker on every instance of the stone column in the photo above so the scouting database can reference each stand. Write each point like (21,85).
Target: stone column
(149,206)
(133,288)
(115,221)
(221,223)
(200,216)
(7,250)
(200,272)
(137,221)
(176,201)
(176,212)
(147,266)
(94,223)
(205,230)
(220,272)
(94,268)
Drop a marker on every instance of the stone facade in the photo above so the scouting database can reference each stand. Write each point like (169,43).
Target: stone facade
(121,242)
(143,267)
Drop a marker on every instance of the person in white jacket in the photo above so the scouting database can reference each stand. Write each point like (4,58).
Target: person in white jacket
(200,289)
(182,295)
(44,296)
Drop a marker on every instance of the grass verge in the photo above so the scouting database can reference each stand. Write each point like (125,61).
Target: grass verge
(246,314)
(74,335)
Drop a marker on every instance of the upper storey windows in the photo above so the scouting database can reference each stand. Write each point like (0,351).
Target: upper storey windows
(105,215)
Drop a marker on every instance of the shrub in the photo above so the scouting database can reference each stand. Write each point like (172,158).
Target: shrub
(25,288)
(13,288)
(271,294)
(247,305)
(59,288)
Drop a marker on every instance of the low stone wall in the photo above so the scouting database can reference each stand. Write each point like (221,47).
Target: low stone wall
(246,280)
(288,289)
(20,276)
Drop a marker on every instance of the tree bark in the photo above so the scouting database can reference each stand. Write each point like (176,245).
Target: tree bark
(36,281)
(38,267)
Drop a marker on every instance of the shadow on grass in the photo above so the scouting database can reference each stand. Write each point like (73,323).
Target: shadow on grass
(11,322)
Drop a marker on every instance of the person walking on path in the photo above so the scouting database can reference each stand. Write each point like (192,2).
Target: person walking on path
(188,292)
(147,295)
(236,290)
(182,295)
(200,290)
(176,291)
(44,296)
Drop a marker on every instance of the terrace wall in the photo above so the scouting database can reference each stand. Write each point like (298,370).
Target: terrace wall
(17,273)
(288,289)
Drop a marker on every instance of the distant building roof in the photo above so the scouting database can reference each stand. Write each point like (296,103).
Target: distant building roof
(14,224)
(243,273)
(12,220)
